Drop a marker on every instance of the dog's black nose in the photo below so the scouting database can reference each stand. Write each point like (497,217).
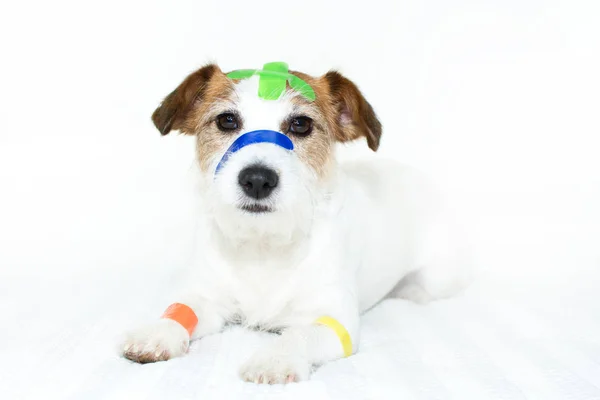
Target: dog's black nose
(257,181)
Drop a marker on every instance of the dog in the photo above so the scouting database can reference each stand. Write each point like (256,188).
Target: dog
(291,235)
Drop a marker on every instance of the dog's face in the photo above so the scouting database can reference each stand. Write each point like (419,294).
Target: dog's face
(264,185)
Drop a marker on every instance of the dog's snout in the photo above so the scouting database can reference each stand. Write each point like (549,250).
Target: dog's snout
(258,181)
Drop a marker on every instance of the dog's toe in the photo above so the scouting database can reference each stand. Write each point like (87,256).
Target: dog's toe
(145,357)
(275,369)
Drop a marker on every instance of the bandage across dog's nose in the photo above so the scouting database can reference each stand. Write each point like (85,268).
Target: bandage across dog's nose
(254,137)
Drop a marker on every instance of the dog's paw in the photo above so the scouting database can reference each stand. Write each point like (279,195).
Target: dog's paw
(264,367)
(160,341)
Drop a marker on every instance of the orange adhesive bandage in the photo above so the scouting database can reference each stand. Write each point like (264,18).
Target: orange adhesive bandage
(183,314)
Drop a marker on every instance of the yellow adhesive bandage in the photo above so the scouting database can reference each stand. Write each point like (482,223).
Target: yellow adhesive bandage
(340,331)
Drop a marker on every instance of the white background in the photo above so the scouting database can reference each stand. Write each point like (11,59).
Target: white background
(498,100)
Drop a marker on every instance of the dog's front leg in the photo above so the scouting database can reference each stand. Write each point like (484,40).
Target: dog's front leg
(293,353)
(166,338)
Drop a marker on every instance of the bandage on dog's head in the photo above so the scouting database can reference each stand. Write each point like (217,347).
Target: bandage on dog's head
(273,80)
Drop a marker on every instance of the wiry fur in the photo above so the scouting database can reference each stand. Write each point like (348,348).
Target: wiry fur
(338,238)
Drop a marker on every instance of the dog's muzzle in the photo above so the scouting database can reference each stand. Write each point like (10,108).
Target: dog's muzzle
(257,181)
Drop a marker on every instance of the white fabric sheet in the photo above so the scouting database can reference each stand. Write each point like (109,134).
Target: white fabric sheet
(482,345)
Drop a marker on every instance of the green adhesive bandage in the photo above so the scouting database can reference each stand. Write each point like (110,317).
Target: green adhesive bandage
(273,79)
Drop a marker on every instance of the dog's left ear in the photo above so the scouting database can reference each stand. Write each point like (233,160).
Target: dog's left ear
(355,116)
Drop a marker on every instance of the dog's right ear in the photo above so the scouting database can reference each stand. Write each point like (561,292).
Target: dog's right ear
(174,108)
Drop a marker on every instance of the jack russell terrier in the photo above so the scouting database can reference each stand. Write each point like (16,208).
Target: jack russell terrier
(293,241)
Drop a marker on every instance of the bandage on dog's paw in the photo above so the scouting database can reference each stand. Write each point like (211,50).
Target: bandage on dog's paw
(339,330)
(182,314)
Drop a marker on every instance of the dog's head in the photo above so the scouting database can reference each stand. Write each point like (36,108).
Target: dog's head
(271,181)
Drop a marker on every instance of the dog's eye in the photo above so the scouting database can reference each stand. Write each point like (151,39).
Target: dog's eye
(301,126)
(227,122)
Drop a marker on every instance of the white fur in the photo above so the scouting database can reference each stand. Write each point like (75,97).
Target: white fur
(331,247)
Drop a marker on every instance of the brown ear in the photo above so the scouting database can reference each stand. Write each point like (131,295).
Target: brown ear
(172,111)
(356,117)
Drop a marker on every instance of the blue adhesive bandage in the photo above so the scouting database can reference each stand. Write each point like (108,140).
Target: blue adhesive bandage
(260,136)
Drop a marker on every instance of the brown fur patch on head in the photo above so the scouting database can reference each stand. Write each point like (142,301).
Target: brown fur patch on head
(339,113)
(180,109)
(315,150)
(349,114)
(186,108)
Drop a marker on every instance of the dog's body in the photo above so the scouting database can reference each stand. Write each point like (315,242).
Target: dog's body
(321,239)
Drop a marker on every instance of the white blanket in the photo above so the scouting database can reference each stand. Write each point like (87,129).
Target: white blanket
(480,345)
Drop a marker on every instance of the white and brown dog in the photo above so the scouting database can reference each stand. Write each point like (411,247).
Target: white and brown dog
(291,235)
